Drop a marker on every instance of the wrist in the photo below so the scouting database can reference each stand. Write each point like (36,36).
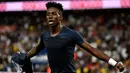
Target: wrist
(112,62)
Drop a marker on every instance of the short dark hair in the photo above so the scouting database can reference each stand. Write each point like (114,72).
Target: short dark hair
(55,4)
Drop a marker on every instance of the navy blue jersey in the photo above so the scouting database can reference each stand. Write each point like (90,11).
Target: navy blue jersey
(60,49)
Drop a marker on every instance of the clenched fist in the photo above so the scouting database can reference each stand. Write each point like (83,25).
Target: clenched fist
(120,66)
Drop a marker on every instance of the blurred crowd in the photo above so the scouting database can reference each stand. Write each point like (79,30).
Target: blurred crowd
(106,30)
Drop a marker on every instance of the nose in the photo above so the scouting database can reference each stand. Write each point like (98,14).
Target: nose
(50,17)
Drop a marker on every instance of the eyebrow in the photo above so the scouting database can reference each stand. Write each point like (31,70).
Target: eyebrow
(54,12)
(58,13)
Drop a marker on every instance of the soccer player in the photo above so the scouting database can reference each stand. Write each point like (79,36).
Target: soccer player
(60,42)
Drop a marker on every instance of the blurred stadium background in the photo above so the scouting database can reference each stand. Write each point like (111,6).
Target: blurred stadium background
(105,24)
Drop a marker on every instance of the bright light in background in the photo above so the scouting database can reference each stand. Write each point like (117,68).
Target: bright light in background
(68,5)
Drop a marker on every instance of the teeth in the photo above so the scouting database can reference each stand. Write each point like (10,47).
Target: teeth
(50,22)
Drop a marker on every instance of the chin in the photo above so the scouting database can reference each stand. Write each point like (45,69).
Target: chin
(52,25)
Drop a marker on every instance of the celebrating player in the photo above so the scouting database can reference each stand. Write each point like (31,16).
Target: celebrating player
(60,42)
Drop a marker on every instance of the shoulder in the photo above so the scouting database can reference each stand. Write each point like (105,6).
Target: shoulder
(44,34)
(70,31)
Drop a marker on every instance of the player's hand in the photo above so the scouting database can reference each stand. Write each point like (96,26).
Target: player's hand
(120,66)
(23,61)
(18,52)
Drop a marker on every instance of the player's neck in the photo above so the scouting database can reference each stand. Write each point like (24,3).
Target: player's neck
(55,30)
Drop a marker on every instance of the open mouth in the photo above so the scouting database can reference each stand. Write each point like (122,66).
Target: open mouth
(50,21)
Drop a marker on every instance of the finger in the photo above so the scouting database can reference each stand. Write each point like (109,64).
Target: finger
(58,14)
(121,63)
(120,66)
(121,69)
(18,52)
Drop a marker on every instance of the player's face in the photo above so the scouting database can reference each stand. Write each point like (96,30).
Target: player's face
(53,16)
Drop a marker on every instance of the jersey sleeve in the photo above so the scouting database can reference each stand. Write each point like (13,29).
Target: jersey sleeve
(77,38)
(40,43)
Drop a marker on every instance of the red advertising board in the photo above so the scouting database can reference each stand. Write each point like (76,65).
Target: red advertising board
(86,4)
(2,6)
(29,6)
(125,3)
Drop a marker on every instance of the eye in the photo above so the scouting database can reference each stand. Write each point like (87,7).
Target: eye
(54,13)
(51,13)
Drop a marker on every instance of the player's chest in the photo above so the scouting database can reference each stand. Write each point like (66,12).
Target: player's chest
(57,42)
